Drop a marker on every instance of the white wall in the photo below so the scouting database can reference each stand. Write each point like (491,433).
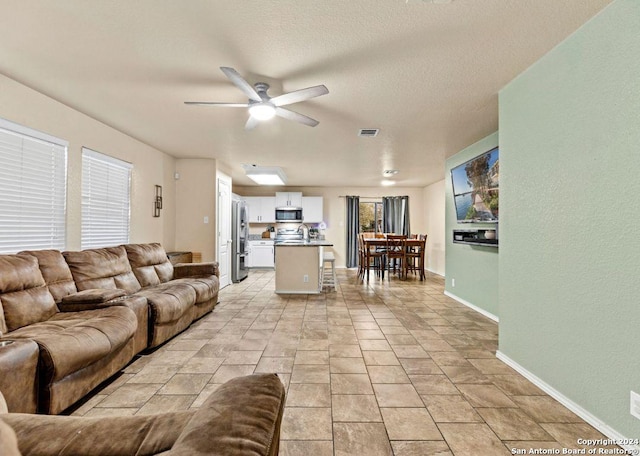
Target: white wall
(195,200)
(151,167)
(434,199)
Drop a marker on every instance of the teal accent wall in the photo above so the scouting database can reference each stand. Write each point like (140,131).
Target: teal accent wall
(570,212)
(474,268)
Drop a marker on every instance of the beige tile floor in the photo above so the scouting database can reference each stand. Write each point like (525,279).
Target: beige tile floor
(379,368)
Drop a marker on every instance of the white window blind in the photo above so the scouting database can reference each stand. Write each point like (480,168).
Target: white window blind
(33,189)
(106,183)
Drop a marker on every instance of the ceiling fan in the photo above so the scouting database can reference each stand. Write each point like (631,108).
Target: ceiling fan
(262,106)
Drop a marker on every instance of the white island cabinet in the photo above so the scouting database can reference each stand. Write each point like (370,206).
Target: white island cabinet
(298,267)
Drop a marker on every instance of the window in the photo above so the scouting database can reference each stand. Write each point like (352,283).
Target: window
(371,217)
(106,183)
(33,189)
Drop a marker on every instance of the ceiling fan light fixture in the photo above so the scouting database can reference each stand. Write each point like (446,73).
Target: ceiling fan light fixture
(262,111)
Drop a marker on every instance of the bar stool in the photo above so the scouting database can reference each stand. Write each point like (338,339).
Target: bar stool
(330,281)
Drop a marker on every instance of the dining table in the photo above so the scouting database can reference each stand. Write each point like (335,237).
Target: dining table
(377,242)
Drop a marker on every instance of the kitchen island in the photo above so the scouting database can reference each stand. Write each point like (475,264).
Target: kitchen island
(299,265)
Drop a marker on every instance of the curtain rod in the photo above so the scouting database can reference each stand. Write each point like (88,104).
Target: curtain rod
(373,197)
(362,197)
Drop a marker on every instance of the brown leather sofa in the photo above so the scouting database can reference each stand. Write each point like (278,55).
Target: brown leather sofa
(78,348)
(176,295)
(241,418)
(90,313)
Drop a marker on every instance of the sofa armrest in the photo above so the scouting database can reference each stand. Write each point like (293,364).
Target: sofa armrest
(53,435)
(241,417)
(254,404)
(184,270)
(92,299)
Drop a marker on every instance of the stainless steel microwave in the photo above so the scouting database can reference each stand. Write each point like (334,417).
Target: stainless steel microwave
(289,214)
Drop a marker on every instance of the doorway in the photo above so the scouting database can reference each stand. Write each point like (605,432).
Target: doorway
(223,228)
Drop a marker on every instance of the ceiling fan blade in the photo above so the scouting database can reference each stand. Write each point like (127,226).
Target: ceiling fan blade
(252,123)
(212,103)
(291,115)
(240,83)
(299,95)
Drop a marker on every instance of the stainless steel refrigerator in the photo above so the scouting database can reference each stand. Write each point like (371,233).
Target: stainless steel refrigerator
(240,240)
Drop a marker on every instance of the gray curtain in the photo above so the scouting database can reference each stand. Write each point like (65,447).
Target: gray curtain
(395,214)
(353,227)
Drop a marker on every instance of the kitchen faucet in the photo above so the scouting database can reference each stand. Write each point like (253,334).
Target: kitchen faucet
(305,231)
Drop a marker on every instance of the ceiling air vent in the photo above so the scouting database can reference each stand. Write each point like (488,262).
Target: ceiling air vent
(368,132)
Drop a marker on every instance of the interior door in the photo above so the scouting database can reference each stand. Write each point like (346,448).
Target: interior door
(224,229)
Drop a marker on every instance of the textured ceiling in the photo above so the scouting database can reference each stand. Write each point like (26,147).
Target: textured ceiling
(426,74)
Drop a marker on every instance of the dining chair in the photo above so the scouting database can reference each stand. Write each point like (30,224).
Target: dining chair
(370,259)
(361,255)
(416,255)
(395,254)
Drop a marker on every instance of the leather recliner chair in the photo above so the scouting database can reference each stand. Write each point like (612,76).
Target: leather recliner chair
(241,418)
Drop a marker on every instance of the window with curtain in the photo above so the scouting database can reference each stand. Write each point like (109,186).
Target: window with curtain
(33,189)
(371,217)
(106,184)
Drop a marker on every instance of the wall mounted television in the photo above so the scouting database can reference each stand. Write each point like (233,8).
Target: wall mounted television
(475,188)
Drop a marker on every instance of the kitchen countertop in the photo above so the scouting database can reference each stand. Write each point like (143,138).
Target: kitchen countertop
(309,243)
(258,237)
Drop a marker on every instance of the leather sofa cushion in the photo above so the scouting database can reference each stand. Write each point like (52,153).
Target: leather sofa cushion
(70,341)
(24,297)
(206,288)
(102,268)
(169,301)
(55,271)
(150,263)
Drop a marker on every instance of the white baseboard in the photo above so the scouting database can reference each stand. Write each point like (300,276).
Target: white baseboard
(434,272)
(472,306)
(568,403)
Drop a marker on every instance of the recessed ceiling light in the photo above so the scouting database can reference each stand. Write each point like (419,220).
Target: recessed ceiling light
(387,183)
(390,172)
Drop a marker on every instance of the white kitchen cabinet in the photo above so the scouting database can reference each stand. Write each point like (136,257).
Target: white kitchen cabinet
(261,254)
(262,209)
(312,209)
(292,199)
